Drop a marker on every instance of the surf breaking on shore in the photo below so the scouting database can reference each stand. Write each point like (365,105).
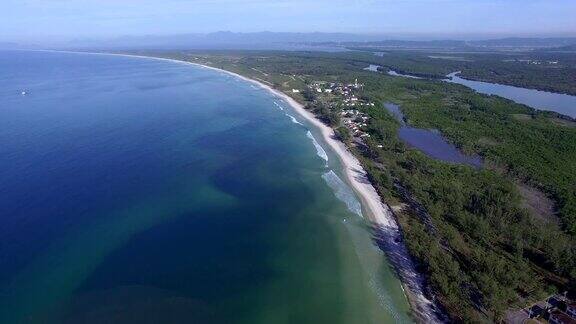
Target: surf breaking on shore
(319,149)
(342,192)
(379,214)
(388,233)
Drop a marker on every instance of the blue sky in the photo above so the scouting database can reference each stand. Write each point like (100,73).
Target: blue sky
(30,19)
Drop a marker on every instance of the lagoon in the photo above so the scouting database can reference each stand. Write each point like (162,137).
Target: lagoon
(430,141)
(541,100)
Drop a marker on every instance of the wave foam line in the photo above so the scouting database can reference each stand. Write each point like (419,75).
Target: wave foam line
(294,120)
(378,212)
(343,192)
(319,150)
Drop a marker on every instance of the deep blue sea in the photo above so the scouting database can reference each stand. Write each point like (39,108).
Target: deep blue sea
(144,191)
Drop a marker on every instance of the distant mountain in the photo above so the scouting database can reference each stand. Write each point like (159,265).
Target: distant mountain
(526,42)
(413,43)
(567,48)
(298,41)
(272,37)
(476,45)
(148,41)
(220,40)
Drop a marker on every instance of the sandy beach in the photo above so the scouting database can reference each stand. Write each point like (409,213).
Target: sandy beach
(377,212)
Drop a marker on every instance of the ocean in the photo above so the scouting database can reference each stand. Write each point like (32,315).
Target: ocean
(144,191)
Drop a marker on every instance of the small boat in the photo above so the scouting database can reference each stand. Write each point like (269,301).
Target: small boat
(24,93)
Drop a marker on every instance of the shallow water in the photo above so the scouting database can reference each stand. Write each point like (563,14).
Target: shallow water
(398,74)
(372,68)
(430,141)
(147,191)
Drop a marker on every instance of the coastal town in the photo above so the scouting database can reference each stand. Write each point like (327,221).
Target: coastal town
(288,161)
(555,309)
(344,99)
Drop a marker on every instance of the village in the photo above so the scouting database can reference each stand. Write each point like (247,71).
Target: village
(344,99)
(556,309)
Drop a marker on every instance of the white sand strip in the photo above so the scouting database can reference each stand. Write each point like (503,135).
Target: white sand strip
(377,212)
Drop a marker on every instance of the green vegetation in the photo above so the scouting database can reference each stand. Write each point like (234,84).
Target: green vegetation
(487,251)
(547,71)
(533,148)
(487,254)
(482,252)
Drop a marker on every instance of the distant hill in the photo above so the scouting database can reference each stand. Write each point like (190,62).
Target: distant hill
(476,45)
(221,40)
(281,40)
(526,42)
(567,48)
(414,44)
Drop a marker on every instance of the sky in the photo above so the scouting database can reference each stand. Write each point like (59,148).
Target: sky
(73,19)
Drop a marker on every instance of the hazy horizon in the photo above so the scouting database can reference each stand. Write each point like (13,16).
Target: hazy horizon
(67,20)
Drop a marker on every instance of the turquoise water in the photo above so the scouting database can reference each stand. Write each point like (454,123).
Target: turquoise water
(144,191)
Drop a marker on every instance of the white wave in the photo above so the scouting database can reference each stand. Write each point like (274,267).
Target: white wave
(277,105)
(294,120)
(343,192)
(383,297)
(319,150)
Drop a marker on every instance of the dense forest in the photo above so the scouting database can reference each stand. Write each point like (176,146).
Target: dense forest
(542,70)
(487,250)
(483,251)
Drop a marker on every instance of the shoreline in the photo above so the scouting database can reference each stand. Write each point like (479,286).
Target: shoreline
(378,212)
